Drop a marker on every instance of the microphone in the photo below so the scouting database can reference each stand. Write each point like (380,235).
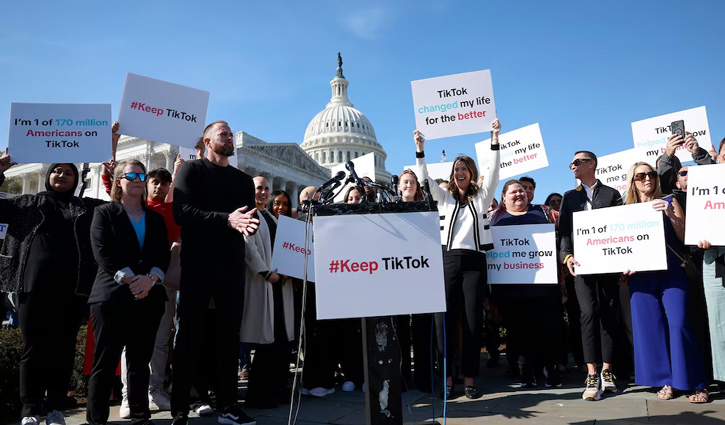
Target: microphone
(351,169)
(334,180)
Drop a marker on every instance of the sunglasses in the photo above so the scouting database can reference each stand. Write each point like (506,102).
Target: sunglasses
(640,177)
(576,162)
(683,173)
(555,202)
(134,176)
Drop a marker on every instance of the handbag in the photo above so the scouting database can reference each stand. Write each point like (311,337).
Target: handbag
(691,269)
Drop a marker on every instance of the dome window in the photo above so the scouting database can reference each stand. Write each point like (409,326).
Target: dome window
(339,123)
(339,156)
(356,155)
(347,155)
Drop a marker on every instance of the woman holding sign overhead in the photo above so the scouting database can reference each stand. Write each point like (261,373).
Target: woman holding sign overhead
(465,236)
(666,353)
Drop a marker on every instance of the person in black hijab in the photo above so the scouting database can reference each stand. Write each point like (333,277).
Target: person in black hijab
(47,260)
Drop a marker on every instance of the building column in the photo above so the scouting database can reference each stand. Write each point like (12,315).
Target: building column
(41,182)
(26,184)
(170,159)
(294,194)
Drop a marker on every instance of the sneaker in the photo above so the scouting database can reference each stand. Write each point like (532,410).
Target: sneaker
(608,381)
(553,379)
(30,420)
(321,392)
(234,415)
(55,418)
(124,411)
(158,400)
(592,392)
(348,386)
(180,418)
(204,410)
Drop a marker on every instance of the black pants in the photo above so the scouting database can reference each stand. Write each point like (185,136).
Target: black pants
(116,324)
(49,324)
(533,325)
(329,343)
(465,277)
(598,297)
(422,340)
(574,328)
(270,369)
(195,292)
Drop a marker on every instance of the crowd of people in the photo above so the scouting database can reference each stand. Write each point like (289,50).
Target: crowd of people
(122,261)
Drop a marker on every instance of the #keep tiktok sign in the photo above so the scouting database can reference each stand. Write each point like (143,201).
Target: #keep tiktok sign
(378,265)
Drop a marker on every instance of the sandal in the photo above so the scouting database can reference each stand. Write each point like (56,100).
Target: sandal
(666,393)
(699,396)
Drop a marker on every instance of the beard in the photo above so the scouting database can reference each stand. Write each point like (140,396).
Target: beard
(223,150)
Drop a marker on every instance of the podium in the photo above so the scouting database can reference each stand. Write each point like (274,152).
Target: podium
(381,347)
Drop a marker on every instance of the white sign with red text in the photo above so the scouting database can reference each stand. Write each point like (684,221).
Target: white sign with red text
(289,249)
(523,254)
(651,134)
(161,111)
(454,105)
(705,205)
(522,150)
(617,239)
(56,132)
(378,265)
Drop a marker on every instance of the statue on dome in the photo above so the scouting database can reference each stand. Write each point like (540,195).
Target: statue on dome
(339,65)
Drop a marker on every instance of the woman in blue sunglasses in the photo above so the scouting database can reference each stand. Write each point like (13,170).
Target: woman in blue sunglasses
(127,301)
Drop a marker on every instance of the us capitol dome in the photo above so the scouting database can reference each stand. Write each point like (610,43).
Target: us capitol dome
(340,133)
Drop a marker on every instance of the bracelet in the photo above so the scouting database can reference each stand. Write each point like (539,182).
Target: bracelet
(153,278)
(420,154)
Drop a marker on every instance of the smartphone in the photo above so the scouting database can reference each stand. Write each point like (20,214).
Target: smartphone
(678,128)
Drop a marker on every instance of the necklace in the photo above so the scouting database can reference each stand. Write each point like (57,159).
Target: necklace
(133,212)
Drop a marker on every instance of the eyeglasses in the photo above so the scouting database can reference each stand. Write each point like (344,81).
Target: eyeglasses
(639,177)
(683,173)
(578,161)
(134,176)
(555,202)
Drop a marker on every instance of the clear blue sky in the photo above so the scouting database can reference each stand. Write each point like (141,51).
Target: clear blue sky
(584,70)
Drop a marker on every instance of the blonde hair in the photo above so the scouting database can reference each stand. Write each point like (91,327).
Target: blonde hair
(631,196)
(116,190)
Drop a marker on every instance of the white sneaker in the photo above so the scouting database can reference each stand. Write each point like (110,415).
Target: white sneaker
(348,386)
(592,391)
(158,400)
(321,392)
(124,411)
(204,410)
(608,381)
(55,418)
(30,420)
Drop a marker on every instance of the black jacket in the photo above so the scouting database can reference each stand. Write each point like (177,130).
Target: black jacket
(24,216)
(115,247)
(575,200)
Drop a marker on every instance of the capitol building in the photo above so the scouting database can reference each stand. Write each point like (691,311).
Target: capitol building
(335,135)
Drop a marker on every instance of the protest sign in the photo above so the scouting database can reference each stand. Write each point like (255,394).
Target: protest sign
(651,134)
(364,167)
(436,170)
(616,239)
(522,150)
(3,230)
(161,111)
(523,254)
(705,205)
(378,265)
(612,169)
(454,105)
(57,132)
(289,249)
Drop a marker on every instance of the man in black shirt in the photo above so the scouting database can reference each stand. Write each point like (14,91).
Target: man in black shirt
(598,295)
(214,205)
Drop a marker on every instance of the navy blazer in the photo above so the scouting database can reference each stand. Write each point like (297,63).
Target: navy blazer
(115,247)
(575,200)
